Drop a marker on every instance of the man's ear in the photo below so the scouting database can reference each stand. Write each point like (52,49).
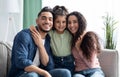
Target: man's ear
(37,21)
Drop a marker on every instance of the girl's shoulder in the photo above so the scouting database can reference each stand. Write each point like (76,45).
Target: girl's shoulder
(68,33)
(51,32)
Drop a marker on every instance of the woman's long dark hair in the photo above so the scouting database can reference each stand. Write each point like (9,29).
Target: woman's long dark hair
(82,25)
(90,44)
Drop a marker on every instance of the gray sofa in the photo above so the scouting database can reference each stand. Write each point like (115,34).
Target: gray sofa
(108,59)
(5,55)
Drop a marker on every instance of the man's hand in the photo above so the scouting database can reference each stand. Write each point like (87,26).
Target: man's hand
(46,74)
(33,68)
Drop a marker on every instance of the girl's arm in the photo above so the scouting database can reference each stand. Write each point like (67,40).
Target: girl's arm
(38,41)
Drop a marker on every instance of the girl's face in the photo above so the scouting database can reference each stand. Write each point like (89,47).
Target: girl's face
(73,24)
(60,24)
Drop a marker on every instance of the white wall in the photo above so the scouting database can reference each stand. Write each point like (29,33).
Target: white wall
(93,10)
(10,23)
(3,19)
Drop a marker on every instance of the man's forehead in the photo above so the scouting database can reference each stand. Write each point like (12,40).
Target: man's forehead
(46,14)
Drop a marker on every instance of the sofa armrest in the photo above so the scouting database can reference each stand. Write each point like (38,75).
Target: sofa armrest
(109,62)
(5,56)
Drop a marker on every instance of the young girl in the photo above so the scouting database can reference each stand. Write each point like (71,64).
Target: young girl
(85,47)
(61,40)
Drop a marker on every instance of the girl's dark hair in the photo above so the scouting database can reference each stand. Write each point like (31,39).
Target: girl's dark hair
(90,44)
(46,9)
(59,11)
(82,25)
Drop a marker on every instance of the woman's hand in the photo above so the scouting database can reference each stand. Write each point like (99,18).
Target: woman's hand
(78,42)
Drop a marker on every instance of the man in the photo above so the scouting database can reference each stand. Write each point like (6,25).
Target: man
(30,59)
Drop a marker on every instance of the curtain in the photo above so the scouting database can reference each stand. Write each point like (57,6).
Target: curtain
(31,10)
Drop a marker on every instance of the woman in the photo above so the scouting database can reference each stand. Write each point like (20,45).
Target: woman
(86,61)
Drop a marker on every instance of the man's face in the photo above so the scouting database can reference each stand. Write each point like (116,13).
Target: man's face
(45,21)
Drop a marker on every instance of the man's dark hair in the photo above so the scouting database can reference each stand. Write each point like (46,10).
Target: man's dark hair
(45,9)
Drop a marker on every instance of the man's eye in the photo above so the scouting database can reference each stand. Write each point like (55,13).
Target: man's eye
(43,18)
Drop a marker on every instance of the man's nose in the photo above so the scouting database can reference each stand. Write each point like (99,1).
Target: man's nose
(47,20)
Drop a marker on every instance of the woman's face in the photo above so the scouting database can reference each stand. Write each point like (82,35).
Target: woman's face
(73,24)
(60,24)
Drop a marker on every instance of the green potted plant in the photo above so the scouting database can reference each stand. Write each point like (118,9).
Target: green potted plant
(110,26)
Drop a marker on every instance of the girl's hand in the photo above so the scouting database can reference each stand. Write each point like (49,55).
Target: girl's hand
(36,36)
(39,42)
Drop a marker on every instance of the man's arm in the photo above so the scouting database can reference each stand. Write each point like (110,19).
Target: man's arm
(20,55)
(33,68)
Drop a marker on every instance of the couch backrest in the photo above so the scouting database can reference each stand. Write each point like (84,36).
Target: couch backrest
(108,59)
(109,62)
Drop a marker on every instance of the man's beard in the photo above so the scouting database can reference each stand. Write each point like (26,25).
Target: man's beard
(39,27)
